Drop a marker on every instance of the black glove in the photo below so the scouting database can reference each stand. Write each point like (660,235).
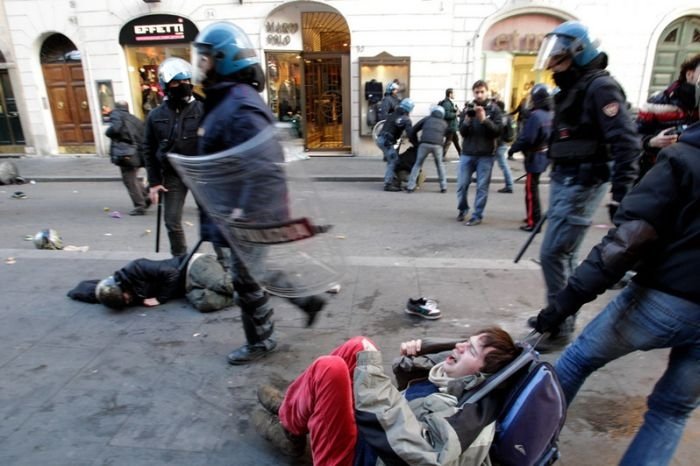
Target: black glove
(612,209)
(510,153)
(549,320)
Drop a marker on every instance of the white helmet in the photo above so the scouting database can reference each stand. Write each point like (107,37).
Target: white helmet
(48,239)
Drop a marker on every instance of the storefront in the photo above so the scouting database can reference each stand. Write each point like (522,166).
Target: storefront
(147,41)
(509,50)
(307,58)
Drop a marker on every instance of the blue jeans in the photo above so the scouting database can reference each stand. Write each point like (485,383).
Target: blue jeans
(571,207)
(392,159)
(501,154)
(643,319)
(424,149)
(468,164)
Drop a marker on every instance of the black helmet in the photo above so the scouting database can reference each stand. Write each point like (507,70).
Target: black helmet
(539,96)
(110,294)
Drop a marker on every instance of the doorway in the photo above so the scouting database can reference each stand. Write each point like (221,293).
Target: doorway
(323,101)
(679,41)
(65,87)
(11,134)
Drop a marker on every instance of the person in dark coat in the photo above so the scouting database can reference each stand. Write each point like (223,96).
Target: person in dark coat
(126,135)
(656,233)
(172,127)
(451,111)
(235,114)
(594,146)
(432,129)
(533,142)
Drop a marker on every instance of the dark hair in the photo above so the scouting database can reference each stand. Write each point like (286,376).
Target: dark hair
(503,352)
(448,91)
(689,65)
(480,83)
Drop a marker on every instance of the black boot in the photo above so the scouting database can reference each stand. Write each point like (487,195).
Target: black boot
(561,338)
(256,314)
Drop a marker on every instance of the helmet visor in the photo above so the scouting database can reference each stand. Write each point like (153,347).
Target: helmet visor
(202,62)
(553,49)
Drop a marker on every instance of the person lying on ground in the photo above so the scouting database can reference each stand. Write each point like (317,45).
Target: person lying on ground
(146,282)
(355,415)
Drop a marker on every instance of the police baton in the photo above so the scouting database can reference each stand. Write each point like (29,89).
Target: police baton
(188,257)
(159,214)
(536,230)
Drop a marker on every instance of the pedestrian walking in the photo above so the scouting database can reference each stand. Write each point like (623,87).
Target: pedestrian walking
(126,137)
(451,111)
(506,137)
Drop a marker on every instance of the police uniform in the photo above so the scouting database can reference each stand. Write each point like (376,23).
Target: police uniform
(594,142)
(396,124)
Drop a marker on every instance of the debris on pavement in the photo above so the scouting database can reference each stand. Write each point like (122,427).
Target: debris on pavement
(76,248)
(19,195)
(10,260)
(115,214)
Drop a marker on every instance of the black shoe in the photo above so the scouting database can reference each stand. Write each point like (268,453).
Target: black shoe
(409,191)
(527,228)
(474,221)
(148,201)
(460,217)
(443,190)
(391,188)
(506,190)
(251,352)
(138,211)
(551,344)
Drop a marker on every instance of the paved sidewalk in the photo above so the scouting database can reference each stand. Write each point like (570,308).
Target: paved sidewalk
(321,168)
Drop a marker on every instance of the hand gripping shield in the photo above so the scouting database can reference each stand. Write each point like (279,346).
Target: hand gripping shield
(268,211)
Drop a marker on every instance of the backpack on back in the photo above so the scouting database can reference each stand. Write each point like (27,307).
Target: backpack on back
(508,132)
(528,426)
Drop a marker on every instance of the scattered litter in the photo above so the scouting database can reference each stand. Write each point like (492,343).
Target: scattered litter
(189,224)
(76,191)
(335,289)
(28,237)
(106,209)
(199,334)
(340,236)
(142,315)
(19,195)
(32,182)
(108,234)
(602,226)
(146,232)
(95,371)
(10,260)
(196,335)
(76,248)
(388,248)
(116,214)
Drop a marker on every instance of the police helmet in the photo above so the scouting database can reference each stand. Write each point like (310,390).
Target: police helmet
(437,111)
(570,39)
(221,50)
(407,104)
(48,239)
(110,294)
(539,96)
(173,69)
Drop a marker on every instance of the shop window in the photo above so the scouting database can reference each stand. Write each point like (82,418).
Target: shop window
(284,84)
(376,73)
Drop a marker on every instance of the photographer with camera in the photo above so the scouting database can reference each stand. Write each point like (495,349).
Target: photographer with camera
(480,127)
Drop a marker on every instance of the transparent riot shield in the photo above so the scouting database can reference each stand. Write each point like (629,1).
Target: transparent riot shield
(269,212)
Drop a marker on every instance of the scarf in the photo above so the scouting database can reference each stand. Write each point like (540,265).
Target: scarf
(451,385)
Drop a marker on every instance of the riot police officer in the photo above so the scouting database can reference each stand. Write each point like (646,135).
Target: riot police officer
(593,144)
(229,70)
(396,124)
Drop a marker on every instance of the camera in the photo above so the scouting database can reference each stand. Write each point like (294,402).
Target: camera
(471,113)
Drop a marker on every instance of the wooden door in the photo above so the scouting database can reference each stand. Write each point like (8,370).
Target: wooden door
(679,41)
(65,86)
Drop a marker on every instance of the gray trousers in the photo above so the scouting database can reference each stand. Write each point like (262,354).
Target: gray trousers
(137,191)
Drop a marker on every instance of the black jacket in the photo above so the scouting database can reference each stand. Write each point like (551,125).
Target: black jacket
(126,135)
(480,137)
(147,278)
(433,130)
(657,233)
(170,129)
(533,140)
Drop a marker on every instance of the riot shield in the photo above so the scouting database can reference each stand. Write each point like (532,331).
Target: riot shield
(269,213)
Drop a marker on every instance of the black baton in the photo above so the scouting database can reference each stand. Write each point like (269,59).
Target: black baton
(536,230)
(187,258)
(159,214)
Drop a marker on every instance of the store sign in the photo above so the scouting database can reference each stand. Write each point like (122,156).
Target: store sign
(158,29)
(516,43)
(280,33)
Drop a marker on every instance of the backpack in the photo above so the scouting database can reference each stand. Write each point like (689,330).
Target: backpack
(508,132)
(528,425)
(385,108)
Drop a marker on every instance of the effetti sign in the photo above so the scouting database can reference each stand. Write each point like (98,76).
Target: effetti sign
(158,29)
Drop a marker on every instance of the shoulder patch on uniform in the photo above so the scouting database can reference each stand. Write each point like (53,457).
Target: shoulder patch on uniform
(200,131)
(611,109)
